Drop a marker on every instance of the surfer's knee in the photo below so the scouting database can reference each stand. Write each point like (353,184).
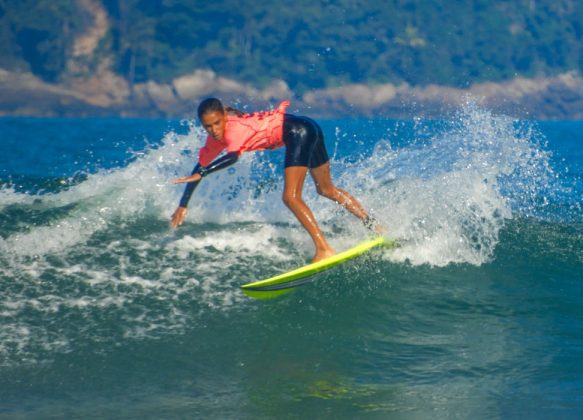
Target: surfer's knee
(290,199)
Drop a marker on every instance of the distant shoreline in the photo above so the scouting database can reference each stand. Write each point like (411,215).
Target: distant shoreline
(108,95)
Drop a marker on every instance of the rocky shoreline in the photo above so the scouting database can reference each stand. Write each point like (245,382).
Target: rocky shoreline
(89,87)
(106,94)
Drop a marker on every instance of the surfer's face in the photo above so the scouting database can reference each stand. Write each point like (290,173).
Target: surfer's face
(214,123)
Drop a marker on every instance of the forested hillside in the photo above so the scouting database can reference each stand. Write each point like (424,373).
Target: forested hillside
(309,44)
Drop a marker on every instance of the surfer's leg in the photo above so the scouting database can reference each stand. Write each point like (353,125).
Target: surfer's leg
(305,146)
(319,165)
(326,188)
(292,197)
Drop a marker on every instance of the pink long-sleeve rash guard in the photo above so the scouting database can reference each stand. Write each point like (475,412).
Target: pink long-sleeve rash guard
(246,133)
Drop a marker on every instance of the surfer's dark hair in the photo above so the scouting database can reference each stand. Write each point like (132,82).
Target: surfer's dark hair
(210,105)
(215,105)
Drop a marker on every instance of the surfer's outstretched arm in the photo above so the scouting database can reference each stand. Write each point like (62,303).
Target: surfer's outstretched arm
(180,212)
(193,180)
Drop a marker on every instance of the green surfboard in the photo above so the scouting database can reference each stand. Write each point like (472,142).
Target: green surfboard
(286,282)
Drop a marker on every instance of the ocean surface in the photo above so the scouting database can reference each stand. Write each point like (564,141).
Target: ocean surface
(106,312)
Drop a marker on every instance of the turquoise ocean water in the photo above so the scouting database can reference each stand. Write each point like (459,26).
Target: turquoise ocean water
(105,312)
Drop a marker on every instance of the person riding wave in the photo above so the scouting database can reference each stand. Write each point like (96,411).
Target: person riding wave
(305,151)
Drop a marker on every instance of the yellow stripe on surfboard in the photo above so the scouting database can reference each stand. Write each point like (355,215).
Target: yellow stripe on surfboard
(282,283)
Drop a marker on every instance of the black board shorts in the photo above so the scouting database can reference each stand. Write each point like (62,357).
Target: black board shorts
(304,142)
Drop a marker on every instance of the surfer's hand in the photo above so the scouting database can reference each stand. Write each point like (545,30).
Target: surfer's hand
(187,179)
(178,217)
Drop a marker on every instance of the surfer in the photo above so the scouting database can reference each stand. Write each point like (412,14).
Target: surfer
(305,150)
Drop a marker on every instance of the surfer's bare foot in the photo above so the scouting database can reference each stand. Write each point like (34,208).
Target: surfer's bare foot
(322,255)
(380,230)
(374,226)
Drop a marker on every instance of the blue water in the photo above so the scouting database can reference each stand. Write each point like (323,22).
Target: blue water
(105,312)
